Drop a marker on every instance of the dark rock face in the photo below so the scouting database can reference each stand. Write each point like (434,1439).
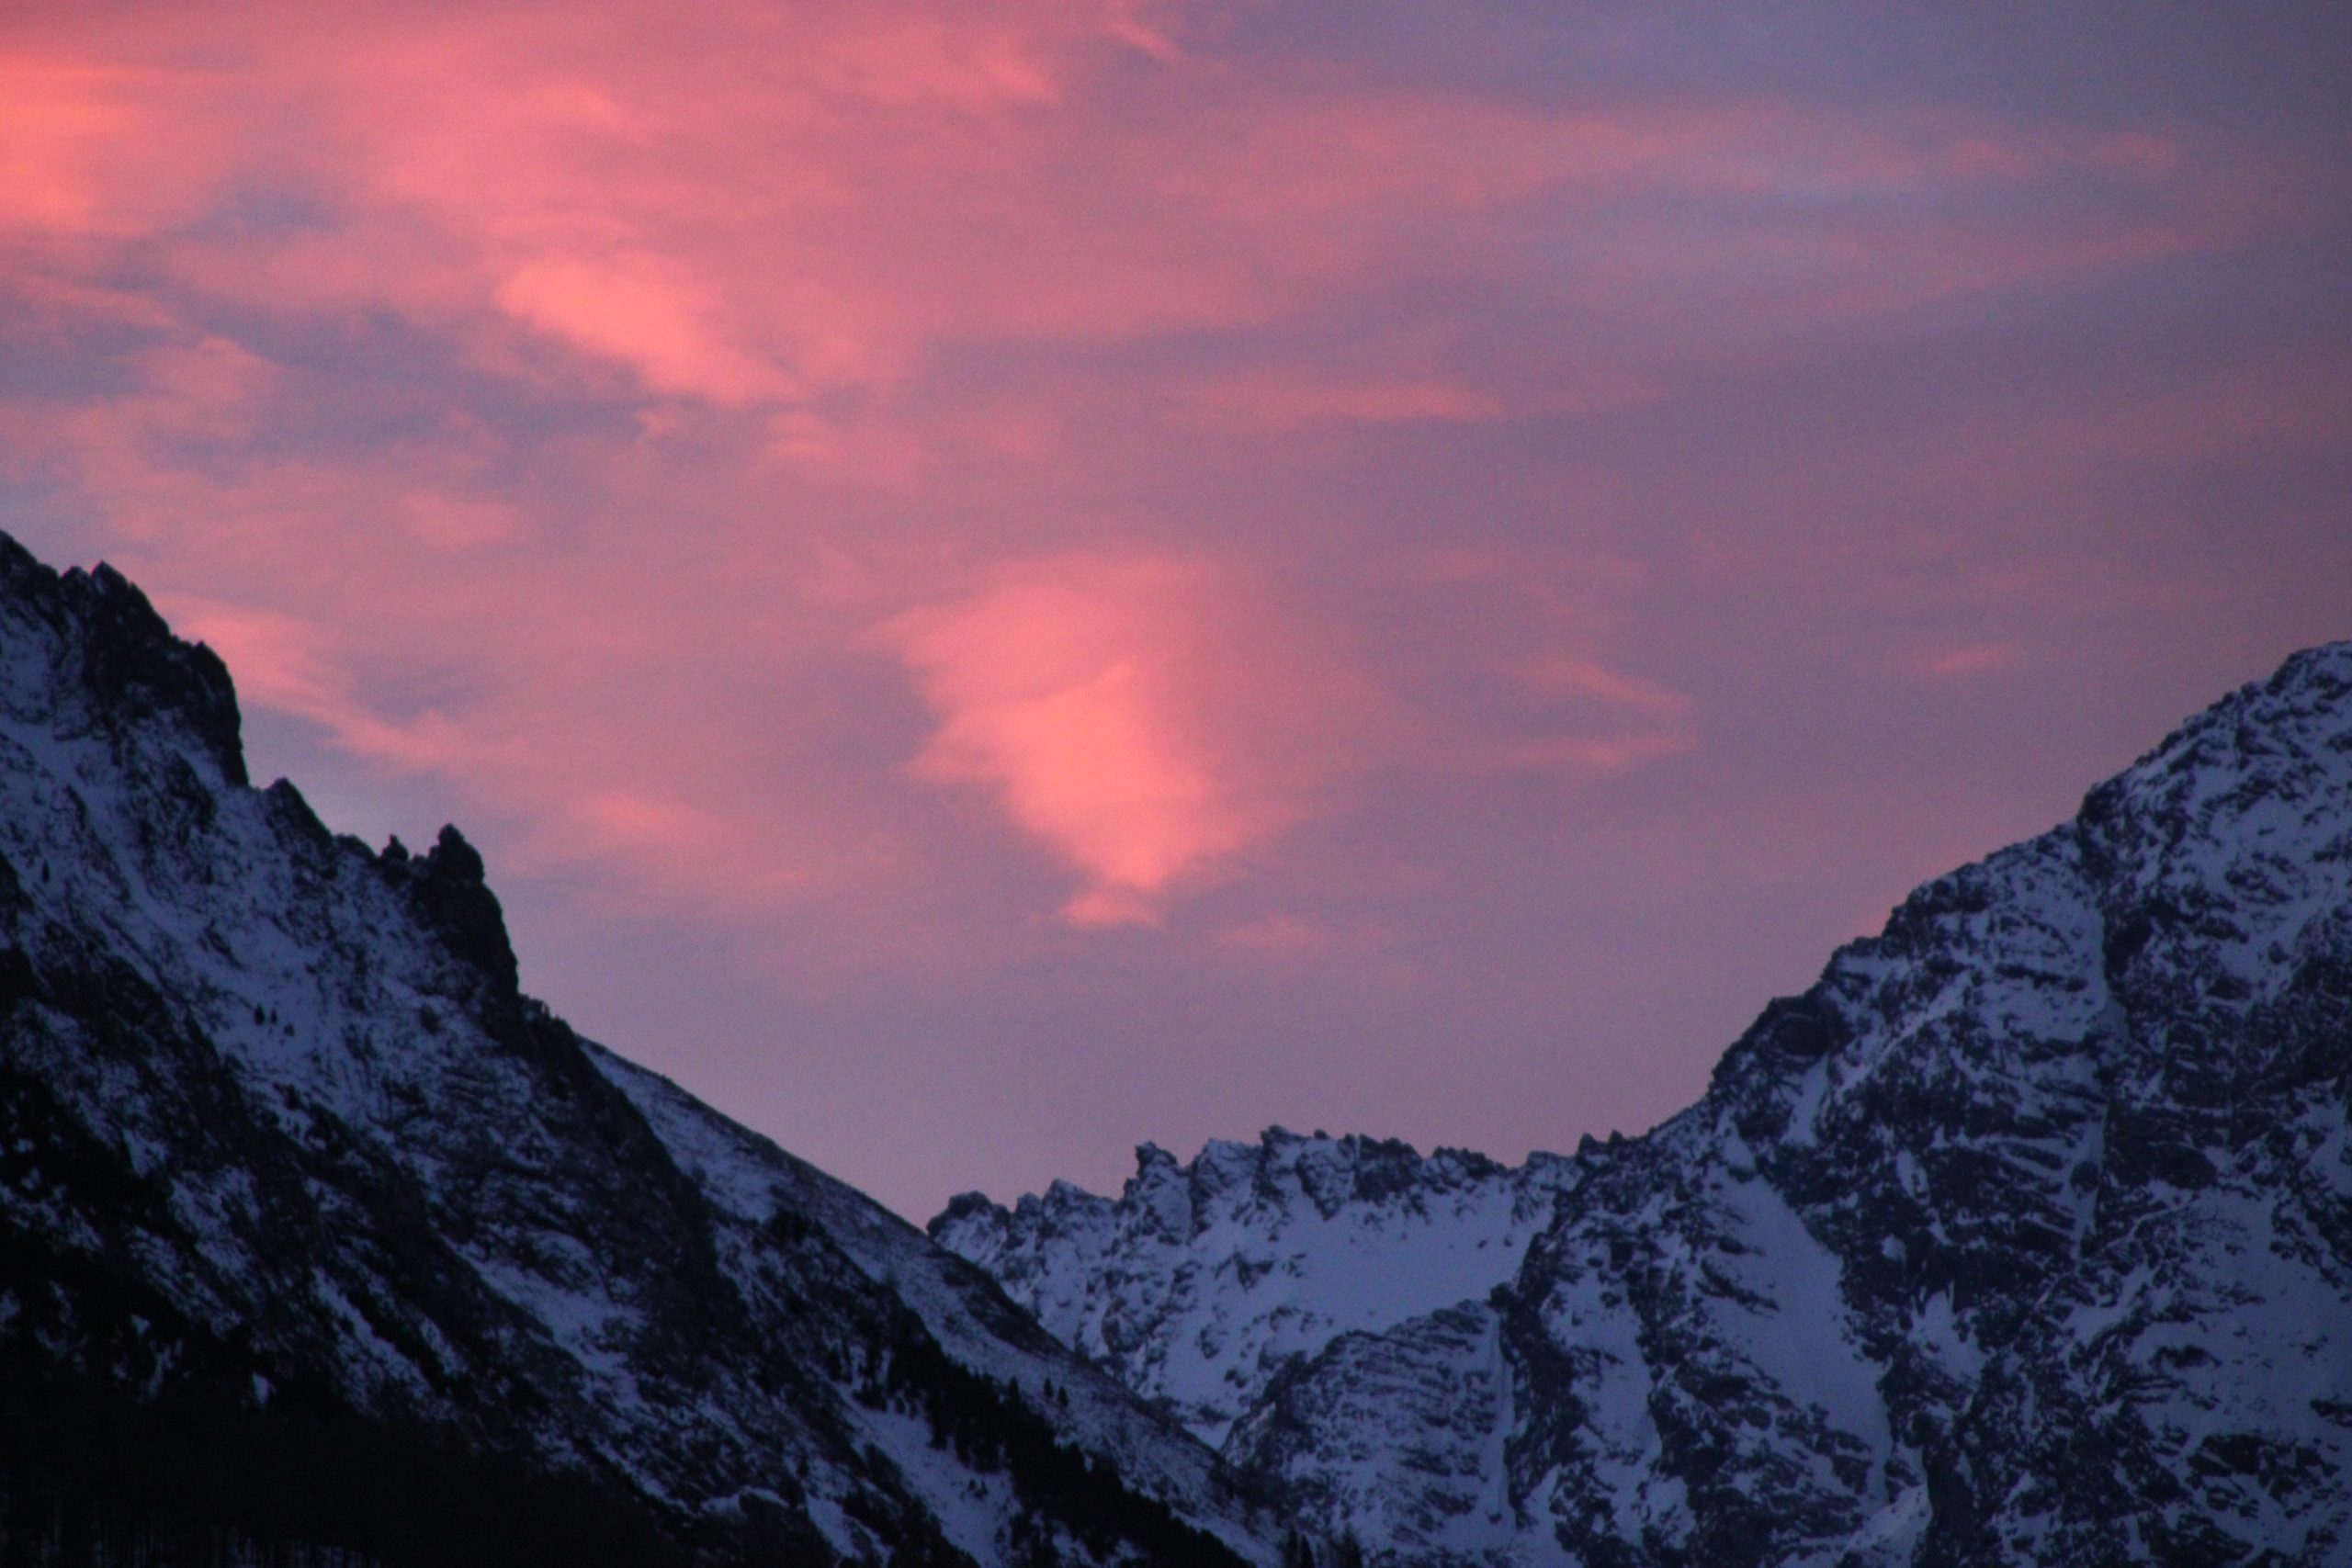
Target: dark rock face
(314,1232)
(2025,1236)
(447,887)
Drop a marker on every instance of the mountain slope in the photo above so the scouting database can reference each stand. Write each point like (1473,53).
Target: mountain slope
(2024,1236)
(314,1229)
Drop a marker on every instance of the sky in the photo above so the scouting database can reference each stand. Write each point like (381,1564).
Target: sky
(1000,580)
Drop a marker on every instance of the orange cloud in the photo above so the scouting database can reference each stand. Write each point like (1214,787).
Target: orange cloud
(1140,716)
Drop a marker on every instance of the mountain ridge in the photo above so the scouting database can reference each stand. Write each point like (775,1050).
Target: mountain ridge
(1812,1317)
(1355,1230)
(320,1235)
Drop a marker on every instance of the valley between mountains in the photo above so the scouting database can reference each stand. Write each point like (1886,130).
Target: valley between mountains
(2024,1236)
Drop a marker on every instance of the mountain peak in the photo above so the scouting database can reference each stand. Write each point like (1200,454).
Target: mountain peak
(1202,1281)
(88,648)
(448,886)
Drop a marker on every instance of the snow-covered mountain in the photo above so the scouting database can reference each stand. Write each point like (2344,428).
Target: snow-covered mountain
(315,1232)
(1200,1282)
(2025,1236)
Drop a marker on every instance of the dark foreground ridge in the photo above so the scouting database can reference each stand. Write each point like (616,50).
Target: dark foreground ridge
(2024,1237)
(317,1236)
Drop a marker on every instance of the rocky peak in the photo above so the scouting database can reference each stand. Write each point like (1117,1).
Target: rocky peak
(88,649)
(1201,1280)
(2216,846)
(447,886)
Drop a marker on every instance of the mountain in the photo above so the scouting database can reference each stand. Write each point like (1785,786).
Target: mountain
(2024,1237)
(1202,1281)
(321,1242)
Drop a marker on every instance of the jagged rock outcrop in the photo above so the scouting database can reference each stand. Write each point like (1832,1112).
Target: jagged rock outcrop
(1202,1283)
(2025,1236)
(316,1233)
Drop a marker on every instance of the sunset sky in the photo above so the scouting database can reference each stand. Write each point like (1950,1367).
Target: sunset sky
(997,581)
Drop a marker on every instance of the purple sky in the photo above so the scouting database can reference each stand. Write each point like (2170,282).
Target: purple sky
(996,582)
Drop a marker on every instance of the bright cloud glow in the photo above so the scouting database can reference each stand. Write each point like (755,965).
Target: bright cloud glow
(1142,717)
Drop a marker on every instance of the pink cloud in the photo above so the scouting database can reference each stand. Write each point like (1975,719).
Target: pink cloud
(632,308)
(1143,716)
(761,207)
(291,665)
(98,150)
(624,816)
(501,340)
